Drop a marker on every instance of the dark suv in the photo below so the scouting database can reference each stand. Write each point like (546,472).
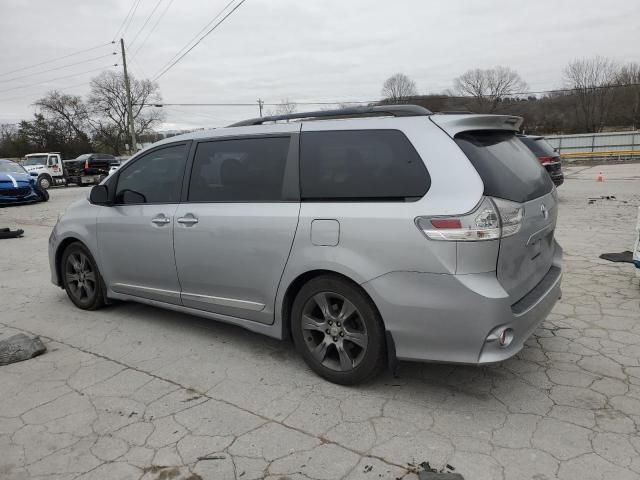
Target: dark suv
(547,156)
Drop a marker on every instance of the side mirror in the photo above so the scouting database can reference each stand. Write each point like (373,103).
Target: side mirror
(99,195)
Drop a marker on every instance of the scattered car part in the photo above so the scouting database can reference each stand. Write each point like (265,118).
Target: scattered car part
(20,347)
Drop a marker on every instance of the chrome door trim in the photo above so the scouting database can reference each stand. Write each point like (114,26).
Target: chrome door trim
(227,302)
(137,289)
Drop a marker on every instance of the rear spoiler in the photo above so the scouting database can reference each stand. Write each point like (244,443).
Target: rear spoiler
(454,124)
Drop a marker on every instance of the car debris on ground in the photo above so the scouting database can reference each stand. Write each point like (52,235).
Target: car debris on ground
(20,347)
(8,233)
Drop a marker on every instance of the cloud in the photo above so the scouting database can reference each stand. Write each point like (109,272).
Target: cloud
(312,50)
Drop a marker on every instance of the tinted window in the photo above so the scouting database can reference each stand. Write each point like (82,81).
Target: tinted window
(360,165)
(539,146)
(153,178)
(507,167)
(240,170)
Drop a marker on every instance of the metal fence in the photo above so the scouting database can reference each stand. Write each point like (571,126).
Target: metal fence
(609,145)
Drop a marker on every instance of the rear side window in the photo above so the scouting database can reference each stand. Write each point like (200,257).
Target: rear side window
(507,167)
(351,165)
(538,146)
(239,170)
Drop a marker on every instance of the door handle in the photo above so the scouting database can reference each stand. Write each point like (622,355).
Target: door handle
(161,220)
(188,220)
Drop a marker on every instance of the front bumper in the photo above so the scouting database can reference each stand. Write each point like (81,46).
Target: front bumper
(31,197)
(448,318)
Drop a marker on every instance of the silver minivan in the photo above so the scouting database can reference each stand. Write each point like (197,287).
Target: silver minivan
(365,235)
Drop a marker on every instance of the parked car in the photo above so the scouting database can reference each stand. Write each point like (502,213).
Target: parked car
(18,186)
(47,168)
(365,234)
(89,168)
(546,155)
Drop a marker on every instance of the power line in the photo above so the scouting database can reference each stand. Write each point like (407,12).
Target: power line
(57,78)
(337,102)
(56,59)
(201,38)
(145,23)
(135,8)
(124,21)
(153,28)
(195,37)
(68,87)
(58,68)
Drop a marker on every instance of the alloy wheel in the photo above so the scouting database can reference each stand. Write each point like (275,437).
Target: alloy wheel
(81,278)
(334,331)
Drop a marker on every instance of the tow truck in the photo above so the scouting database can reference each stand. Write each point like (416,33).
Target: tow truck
(48,168)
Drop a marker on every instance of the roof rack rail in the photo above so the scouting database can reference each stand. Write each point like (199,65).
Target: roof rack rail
(382,110)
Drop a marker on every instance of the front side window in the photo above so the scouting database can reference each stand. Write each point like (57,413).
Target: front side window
(355,165)
(239,170)
(154,178)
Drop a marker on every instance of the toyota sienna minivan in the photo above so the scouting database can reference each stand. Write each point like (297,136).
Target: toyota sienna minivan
(365,235)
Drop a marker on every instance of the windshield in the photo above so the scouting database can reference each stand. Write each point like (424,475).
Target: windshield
(35,160)
(84,156)
(11,167)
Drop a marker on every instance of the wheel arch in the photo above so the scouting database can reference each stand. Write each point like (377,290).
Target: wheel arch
(60,251)
(297,283)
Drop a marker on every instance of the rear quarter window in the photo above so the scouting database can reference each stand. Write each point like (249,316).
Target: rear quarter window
(507,167)
(361,165)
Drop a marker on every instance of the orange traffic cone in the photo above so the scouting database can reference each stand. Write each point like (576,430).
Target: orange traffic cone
(600,178)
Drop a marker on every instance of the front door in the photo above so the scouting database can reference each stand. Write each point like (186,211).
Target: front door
(234,233)
(135,236)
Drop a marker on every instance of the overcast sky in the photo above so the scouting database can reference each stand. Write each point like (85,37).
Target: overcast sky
(303,50)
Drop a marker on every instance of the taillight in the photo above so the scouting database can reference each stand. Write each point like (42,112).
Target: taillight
(544,160)
(493,218)
(86,165)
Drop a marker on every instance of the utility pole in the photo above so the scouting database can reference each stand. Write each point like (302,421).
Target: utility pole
(260,105)
(132,130)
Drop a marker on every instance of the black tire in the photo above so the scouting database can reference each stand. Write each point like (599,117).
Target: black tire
(81,278)
(44,195)
(342,347)
(44,182)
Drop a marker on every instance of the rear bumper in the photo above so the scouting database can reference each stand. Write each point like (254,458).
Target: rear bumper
(84,179)
(448,318)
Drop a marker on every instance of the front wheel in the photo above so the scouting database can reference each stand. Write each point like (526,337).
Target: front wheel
(338,330)
(44,195)
(81,278)
(44,182)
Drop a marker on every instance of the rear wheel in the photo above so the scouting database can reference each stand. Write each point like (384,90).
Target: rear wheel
(338,330)
(81,278)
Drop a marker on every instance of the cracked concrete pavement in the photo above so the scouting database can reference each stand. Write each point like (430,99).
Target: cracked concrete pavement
(135,392)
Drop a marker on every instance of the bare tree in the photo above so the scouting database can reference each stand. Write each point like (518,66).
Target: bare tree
(398,88)
(489,87)
(627,105)
(68,110)
(590,79)
(108,105)
(285,107)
